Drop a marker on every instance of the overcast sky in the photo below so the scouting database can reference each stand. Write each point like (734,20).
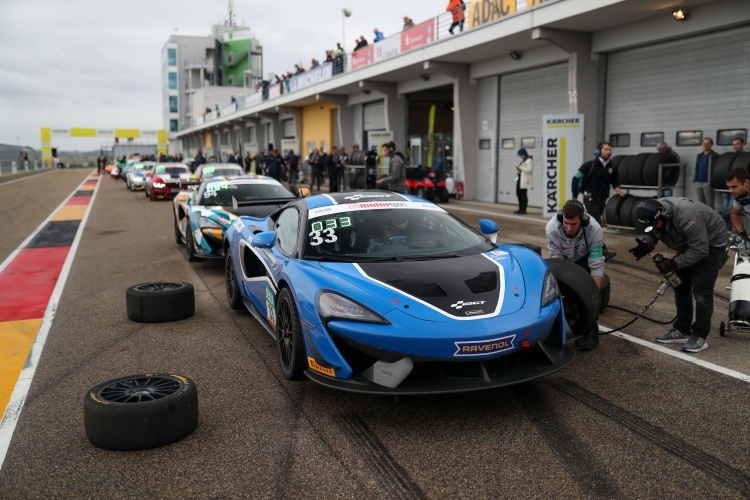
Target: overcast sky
(96,63)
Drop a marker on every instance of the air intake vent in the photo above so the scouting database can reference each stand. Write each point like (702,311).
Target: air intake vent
(485,282)
(418,289)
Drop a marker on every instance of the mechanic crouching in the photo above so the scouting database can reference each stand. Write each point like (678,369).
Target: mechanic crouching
(699,236)
(575,236)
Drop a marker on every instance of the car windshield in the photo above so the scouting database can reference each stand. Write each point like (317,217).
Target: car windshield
(394,231)
(172,171)
(244,190)
(208,172)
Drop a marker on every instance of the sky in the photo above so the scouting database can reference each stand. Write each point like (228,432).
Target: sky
(96,63)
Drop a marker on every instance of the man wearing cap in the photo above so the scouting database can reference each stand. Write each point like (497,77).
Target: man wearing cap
(699,236)
(524,180)
(575,236)
(593,179)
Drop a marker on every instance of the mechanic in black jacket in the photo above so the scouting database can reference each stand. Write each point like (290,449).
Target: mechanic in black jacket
(593,180)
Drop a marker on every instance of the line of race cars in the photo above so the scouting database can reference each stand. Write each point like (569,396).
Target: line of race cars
(375,291)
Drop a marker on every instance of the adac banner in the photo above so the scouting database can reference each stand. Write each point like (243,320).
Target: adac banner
(562,142)
(485,11)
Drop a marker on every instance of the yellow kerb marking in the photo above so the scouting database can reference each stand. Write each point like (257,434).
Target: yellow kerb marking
(16,339)
(71,212)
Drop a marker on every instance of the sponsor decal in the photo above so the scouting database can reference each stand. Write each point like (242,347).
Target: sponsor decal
(460,304)
(482,347)
(314,365)
(360,196)
(271,306)
(474,312)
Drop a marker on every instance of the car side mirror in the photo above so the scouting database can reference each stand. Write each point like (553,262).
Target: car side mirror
(266,239)
(303,192)
(489,228)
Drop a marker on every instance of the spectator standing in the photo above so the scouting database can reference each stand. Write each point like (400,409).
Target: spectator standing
(360,43)
(575,236)
(438,165)
(259,163)
(593,179)
(408,23)
(341,168)
(248,163)
(700,179)
(331,167)
(669,154)
(199,160)
(314,63)
(456,8)
(396,178)
(378,35)
(699,236)
(292,163)
(276,166)
(524,180)
(234,102)
(315,169)
(338,59)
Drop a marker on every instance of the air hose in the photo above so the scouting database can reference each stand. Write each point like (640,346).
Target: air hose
(663,288)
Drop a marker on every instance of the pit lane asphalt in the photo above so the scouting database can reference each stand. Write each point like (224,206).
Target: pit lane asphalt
(621,421)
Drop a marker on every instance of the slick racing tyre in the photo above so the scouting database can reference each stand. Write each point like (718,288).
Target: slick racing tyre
(140,412)
(157,302)
(233,287)
(289,341)
(604,292)
(580,294)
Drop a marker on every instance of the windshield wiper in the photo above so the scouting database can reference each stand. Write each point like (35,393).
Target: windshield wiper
(431,256)
(331,258)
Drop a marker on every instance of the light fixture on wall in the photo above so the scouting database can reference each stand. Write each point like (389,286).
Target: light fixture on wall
(679,15)
(366,91)
(515,55)
(424,78)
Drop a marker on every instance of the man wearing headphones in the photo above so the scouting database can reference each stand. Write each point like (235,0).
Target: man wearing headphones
(738,183)
(593,179)
(699,236)
(575,236)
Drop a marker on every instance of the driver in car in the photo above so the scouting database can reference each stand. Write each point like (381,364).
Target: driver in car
(393,227)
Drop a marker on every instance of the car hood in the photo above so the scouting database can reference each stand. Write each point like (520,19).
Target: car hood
(472,287)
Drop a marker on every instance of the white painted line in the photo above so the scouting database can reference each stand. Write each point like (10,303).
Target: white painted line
(690,358)
(21,390)
(24,178)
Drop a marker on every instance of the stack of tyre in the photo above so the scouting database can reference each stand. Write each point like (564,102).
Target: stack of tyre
(620,210)
(724,164)
(357,176)
(643,169)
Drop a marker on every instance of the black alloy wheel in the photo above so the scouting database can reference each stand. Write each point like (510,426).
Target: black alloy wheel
(291,345)
(233,287)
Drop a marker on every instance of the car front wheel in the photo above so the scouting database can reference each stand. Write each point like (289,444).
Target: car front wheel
(291,345)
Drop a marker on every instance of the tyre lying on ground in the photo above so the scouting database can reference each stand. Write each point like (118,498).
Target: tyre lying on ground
(159,301)
(140,412)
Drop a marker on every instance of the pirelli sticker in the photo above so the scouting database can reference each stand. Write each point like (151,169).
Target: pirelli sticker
(484,347)
(314,365)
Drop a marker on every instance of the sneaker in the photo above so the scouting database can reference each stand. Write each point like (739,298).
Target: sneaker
(673,336)
(695,344)
(609,256)
(588,342)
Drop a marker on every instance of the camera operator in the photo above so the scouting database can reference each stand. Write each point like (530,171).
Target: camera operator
(575,236)
(699,236)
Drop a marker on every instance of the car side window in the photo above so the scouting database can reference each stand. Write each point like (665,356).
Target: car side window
(287,230)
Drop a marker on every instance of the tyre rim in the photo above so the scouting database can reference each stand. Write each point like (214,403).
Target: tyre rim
(158,287)
(230,278)
(139,390)
(286,347)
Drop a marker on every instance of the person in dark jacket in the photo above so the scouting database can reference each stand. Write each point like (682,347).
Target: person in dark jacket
(331,167)
(700,180)
(396,178)
(698,234)
(593,179)
(276,167)
(292,163)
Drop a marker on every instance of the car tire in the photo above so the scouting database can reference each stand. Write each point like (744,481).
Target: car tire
(157,302)
(140,412)
(190,246)
(289,341)
(443,195)
(604,292)
(612,210)
(233,287)
(422,193)
(177,234)
(623,168)
(580,294)
(636,168)
(535,248)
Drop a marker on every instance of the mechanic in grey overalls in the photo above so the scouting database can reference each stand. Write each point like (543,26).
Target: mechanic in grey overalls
(699,236)
(575,236)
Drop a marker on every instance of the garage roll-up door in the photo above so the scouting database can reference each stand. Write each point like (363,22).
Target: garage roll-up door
(699,83)
(374,116)
(524,98)
(486,116)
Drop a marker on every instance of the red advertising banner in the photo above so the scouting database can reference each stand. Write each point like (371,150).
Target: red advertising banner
(362,57)
(419,35)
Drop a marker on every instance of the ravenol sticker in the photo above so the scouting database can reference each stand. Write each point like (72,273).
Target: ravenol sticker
(271,306)
(314,365)
(483,347)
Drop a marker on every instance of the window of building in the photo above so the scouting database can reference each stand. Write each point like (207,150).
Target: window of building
(724,137)
(173,126)
(689,138)
(172,81)
(485,143)
(172,57)
(508,144)
(619,140)
(528,142)
(651,139)
(173,104)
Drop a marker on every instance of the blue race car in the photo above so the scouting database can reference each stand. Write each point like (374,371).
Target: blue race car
(384,293)
(202,216)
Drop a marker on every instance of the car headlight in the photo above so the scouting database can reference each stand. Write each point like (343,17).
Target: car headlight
(206,222)
(334,306)
(159,185)
(550,292)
